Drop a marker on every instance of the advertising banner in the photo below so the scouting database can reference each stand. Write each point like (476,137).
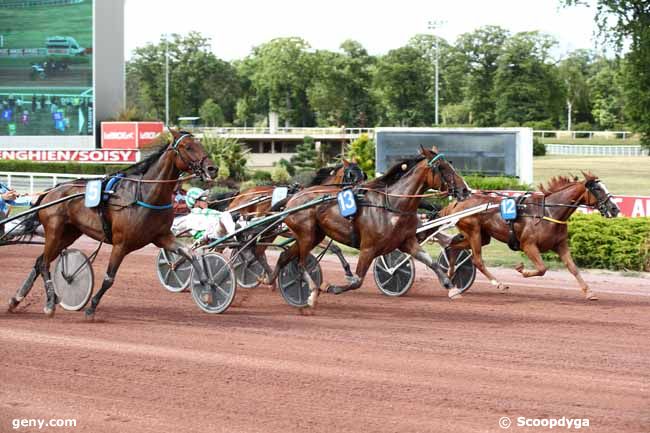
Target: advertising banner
(107,156)
(129,135)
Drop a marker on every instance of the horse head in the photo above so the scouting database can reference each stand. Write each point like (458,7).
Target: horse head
(598,196)
(191,155)
(443,176)
(351,173)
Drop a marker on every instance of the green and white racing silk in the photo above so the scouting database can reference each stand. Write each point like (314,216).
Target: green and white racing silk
(200,223)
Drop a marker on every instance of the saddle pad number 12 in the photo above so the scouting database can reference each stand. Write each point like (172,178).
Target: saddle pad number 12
(347,203)
(508,209)
(93,193)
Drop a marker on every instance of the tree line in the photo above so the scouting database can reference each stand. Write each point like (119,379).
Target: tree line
(488,77)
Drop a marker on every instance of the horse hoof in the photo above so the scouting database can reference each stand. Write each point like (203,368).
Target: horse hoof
(520,268)
(336,290)
(49,311)
(11,307)
(454,293)
(206,298)
(503,288)
(89,315)
(591,296)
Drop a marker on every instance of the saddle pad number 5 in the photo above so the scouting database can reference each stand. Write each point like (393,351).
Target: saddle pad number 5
(93,193)
(347,203)
(508,209)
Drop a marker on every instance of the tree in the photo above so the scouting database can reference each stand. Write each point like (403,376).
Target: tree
(282,70)
(482,48)
(606,93)
(574,71)
(196,74)
(629,20)
(362,150)
(305,157)
(228,154)
(211,113)
(527,87)
(403,84)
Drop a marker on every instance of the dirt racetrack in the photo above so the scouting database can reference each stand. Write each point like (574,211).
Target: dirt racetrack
(153,362)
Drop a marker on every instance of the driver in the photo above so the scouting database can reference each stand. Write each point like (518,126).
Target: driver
(202,222)
(9,197)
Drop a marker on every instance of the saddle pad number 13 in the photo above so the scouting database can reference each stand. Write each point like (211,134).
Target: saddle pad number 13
(93,193)
(347,203)
(508,209)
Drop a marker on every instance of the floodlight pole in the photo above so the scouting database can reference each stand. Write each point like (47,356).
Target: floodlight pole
(432,26)
(166,81)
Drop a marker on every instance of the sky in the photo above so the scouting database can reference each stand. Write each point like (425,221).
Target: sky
(235,27)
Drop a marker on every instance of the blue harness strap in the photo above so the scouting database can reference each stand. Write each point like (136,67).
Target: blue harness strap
(153,206)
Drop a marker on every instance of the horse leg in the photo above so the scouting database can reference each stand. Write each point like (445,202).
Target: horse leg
(57,238)
(565,255)
(475,241)
(366,256)
(260,254)
(346,266)
(117,255)
(532,252)
(286,257)
(26,287)
(412,247)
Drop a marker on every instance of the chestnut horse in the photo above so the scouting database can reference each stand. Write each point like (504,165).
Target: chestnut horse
(386,218)
(540,226)
(140,212)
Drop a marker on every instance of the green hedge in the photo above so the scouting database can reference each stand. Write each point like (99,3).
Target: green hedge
(60,167)
(615,244)
(495,183)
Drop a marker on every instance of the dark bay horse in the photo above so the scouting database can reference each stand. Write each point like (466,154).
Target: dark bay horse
(386,218)
(541,225)
(138,214)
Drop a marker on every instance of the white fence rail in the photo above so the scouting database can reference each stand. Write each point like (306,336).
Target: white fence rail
(610,135)
(593,150)
(34,182)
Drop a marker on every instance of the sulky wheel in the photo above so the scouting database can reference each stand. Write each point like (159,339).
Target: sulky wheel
(73,279)
(465,271)
(293,286)
(394,273)
(217,295)
(174,271)
(248,270)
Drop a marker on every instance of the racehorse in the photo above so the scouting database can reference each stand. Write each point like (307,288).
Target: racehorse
(140,212)
(346,173)
(386,218)
(541,225)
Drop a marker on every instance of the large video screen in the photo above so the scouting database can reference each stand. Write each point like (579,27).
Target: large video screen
(46,76)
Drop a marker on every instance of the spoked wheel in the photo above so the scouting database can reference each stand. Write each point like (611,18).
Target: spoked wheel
(217,295)
(174,271)
(248,270)
(73,279)
(394,273)
(465,271)
(293,286)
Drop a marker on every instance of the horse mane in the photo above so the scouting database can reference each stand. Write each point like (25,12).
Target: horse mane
(322,174)
(394,173)
(143,166)
(557,183)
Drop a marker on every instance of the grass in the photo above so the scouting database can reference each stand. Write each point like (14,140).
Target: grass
(30,27)
(590,141)
(623,175)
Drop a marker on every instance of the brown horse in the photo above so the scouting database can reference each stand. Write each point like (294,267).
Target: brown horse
(139,213)
(346,173)
(540,226)
(386,218)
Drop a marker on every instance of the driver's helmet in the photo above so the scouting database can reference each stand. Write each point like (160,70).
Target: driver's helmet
(192,195)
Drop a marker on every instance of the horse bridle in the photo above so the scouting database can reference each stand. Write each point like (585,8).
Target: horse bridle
(601,205)
(195,166)
(434,164)
(348,173)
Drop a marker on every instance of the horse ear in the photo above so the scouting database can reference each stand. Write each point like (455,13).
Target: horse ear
(346,163)
(354,160)
(422,151)
(173,132)
(435,150)
(426,152)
